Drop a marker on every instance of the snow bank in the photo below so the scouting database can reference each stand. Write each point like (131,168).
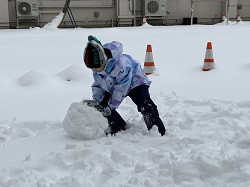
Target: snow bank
(55,22)
(232,23)
(225,23)
(72,73)
(83,122)
(146,25)
(31,78)
(241,23)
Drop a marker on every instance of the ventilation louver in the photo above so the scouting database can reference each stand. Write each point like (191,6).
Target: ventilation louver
(155,8)
(27,8)
(24,8)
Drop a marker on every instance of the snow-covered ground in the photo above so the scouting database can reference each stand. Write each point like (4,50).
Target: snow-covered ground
(206,114)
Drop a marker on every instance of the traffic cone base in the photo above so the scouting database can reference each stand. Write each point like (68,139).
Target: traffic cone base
(144,20)
(148,69)
(208,66)
(238,19)
(223,17)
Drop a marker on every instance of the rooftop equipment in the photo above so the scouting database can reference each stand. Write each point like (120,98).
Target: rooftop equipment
(27,13)
(155,8)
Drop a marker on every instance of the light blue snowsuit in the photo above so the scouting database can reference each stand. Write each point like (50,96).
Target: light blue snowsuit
(121,74)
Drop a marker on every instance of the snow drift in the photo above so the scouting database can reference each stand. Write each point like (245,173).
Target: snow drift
(55,22)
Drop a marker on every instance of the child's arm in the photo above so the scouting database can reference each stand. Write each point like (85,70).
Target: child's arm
(97,92)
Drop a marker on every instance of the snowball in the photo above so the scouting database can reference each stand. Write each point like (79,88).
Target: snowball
(84,122)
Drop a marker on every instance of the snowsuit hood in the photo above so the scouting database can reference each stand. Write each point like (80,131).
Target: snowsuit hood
(116,50)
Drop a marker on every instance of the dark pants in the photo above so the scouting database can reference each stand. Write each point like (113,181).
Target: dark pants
(140,96)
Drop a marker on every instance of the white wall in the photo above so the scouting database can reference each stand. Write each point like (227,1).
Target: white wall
(179,9)
(207,9)
(125,7)
(4,13)
(83,11)
(245,11)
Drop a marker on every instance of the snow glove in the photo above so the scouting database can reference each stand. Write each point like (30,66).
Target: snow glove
(116,123)
(106,111)
(91,103)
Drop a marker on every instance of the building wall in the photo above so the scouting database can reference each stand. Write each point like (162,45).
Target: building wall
(85,12)
(4,15)
(99,13)
(244,9)
(178,9)
(206,11)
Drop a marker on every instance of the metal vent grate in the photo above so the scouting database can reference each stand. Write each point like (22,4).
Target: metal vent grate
(152,7)
(24,8)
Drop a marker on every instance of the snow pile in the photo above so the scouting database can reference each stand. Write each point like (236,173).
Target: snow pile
(225,22)
(55,22)
(72,73)
(240,23)
(31,78)
(146,25)
(232,23)
(83,122)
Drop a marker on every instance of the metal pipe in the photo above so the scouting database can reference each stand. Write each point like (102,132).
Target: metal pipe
(134,13)
(192,12)
(129,5)
(117,12)
(79,6)
(227,10)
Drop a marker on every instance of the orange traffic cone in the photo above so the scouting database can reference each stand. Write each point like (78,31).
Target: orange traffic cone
(144,20)
(209,59)
(149,65)
(223,17)
(238,19)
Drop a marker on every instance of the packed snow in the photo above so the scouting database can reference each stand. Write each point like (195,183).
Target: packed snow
(84,122)
(54,24)
(43,81)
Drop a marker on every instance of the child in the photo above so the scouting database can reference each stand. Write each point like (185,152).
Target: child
(116,76)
